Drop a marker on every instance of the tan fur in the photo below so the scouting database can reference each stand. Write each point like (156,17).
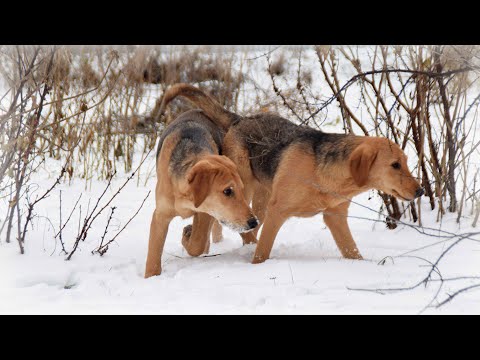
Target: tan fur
(199,194)
(302,187)
(217,235)
(330,190)
(198,97)
(259,202)
(360,163)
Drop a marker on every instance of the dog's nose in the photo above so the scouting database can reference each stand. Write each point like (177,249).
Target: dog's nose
(252,223)
(419,192)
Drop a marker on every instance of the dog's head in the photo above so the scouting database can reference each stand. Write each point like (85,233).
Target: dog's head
(381,164)
(215,188)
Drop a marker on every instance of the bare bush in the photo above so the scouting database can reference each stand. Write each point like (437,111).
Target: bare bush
(94,108)
(420,97)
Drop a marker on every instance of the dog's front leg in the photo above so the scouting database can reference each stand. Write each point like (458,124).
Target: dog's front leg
(195,237)
(158,233)
(336,220)
(273,222)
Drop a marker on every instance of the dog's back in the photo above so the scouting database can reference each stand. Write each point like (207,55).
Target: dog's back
(267,136)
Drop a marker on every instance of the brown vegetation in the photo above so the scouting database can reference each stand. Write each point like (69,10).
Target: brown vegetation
(94,108)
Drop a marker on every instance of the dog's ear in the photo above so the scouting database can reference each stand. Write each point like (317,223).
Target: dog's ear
(361,162)
(200,179)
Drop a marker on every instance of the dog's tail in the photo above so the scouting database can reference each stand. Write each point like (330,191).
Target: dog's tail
(209,105)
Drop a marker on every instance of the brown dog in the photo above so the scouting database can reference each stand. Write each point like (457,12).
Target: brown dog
(298,171)
(194,180)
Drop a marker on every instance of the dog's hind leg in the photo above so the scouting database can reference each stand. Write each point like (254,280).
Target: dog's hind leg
(336,220)
(259,204)
(195,237)
(217,235)
(249,237)
(158,233)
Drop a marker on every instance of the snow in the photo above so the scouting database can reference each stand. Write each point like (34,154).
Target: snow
(305,274)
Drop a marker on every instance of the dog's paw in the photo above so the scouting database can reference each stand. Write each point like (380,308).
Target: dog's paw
(257,259)
(187,231)
(353,255)
(152,272)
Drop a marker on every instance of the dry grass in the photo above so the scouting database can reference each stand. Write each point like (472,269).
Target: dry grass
(93,108)
(424,98)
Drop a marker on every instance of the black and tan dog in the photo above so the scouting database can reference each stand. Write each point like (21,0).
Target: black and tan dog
(298,171)
(193,179)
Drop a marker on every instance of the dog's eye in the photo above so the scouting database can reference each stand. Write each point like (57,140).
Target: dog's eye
(396,165)
(228,192)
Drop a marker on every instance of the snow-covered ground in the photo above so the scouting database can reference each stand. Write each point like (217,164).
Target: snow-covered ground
(305,274)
